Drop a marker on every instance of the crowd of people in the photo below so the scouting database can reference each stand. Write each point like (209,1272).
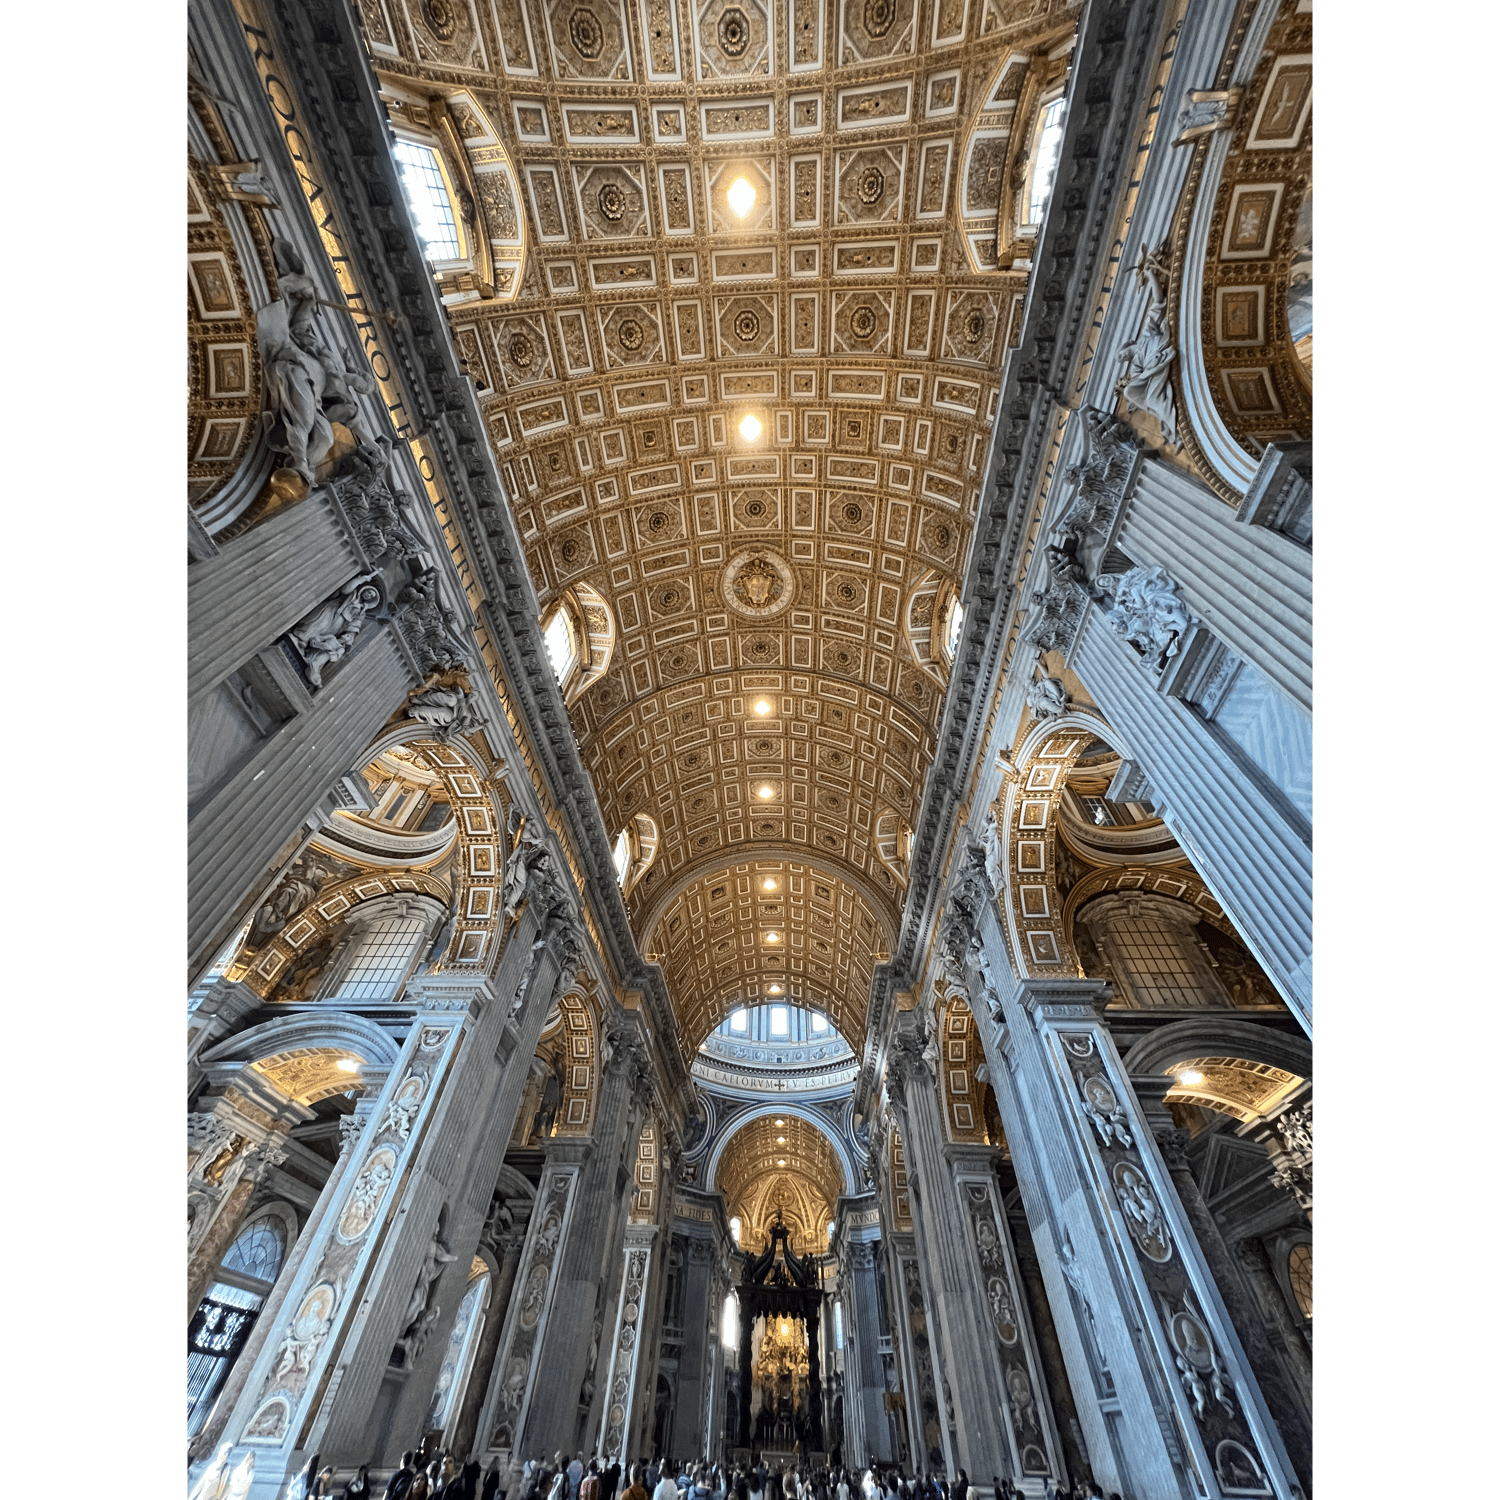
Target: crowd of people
(441,1477)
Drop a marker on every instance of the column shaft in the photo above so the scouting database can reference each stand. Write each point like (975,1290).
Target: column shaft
(232,613)
(1247,848)
(236,834)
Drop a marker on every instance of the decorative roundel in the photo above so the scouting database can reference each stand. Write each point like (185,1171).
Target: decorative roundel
(880,15)
(862,322)
(585,32)
(521,352)
(630,333)
(758,584)
(871,185)
(612,202)
(854,512)
(441,18)
(746,325)
(734,32)
(974,326)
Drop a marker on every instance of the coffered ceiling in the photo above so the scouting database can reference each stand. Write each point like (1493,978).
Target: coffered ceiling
(791,1163)
(775,679)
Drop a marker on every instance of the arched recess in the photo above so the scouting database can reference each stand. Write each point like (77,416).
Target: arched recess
(784,1109)
(998,150)
(1242,238)
(479,177)
(481,806)
(928,611)
(794,1167)
(960,1054)
(1178,1042)
(1245,983)
(1027,817)
(300,1053)
(577,1043)
(589,622)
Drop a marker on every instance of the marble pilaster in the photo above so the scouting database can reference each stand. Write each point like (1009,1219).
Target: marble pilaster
(1166,1395)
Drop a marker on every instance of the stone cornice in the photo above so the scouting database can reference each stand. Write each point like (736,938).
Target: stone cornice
(337,89)
(1105,94)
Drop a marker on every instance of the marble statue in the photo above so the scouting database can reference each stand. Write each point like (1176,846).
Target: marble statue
(308,387)
(526,850)
(212,1482)
(1145,610)
(436,1257)
(444,934)
(1047,697)
(325,635)
(415,1339)
(450,711)
(1146,382)
(300,885)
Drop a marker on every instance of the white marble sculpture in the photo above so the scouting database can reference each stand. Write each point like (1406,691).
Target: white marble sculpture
(1145,610)
(325,635)
(1146,382)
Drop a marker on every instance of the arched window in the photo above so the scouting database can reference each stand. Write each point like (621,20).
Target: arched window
(735,1225)
(561,637)
(221,1326)
(1042,172)
(838,1314)
(953,628)
(739,1021)
(729,1331)
(458,1357)
(635,849)
(426,188)
(385,942)
(1299,1270)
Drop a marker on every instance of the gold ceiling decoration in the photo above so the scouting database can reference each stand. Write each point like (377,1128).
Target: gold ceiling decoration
(744,392)
(310,1073)
(726,939)
(791,1165)
(1232,1085)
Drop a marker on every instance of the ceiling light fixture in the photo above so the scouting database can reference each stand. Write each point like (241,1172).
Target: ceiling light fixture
(775,989)
(741,196)
(781,1140)
(768,790)
(781,1162)
(1190,1076)
(347,1065)
(773,937)
(762,707)
(780,1122)
(769,884)
(750,427)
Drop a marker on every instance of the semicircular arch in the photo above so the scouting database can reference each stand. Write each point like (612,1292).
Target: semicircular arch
(786,1109)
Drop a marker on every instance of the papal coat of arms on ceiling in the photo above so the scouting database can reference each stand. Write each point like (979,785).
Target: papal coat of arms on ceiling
(758,584)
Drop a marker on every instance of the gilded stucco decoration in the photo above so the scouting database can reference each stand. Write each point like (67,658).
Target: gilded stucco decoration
(764,688)
(960,1053)
(1247,212)
(231,272)
(790,1165)
(734,933)
(1232,1085)
(307,1074)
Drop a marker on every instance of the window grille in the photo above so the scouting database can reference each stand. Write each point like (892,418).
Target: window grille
(427,195)
(1044,168)
(558,637)
(1160,972)
(216,1335)
(257,1252)
(1299,1269)
(379,966)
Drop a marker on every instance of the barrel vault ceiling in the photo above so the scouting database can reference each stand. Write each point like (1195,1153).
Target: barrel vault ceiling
(781,1160)
(776,680)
